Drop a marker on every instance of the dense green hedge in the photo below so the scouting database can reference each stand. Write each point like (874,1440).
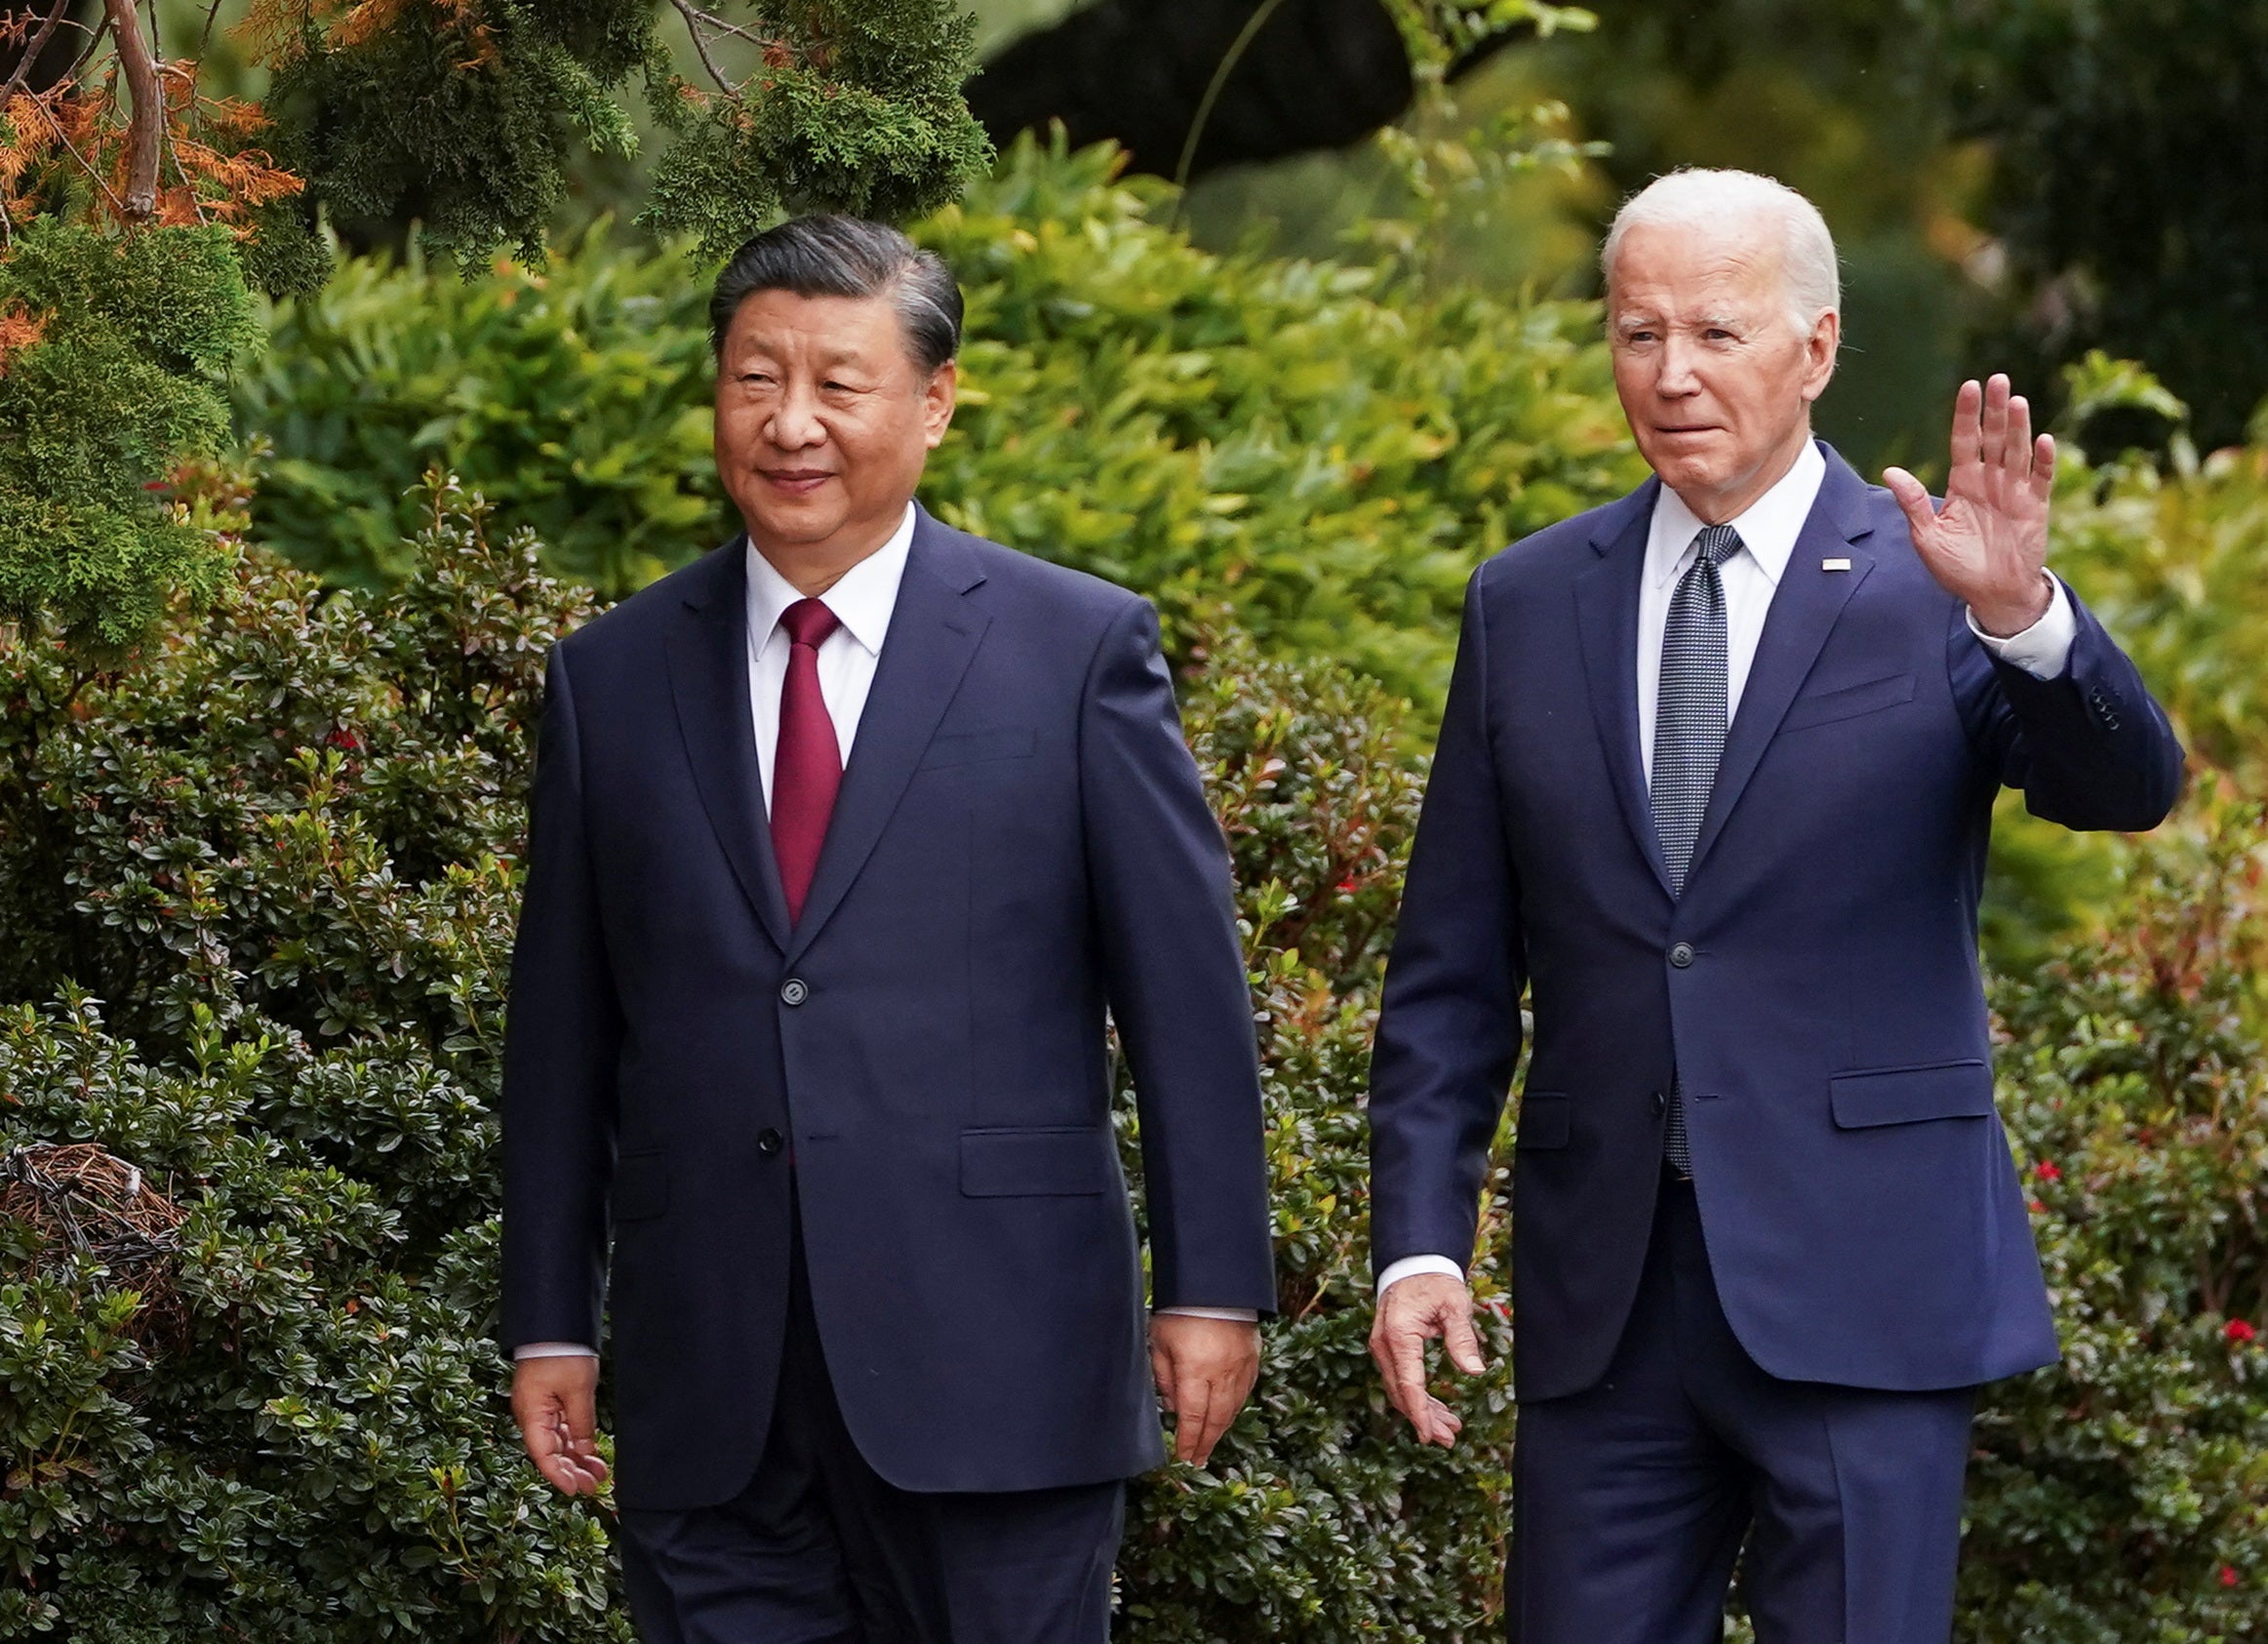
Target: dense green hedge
(1330,456)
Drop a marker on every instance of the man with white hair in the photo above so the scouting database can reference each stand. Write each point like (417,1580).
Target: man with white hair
(1715,781)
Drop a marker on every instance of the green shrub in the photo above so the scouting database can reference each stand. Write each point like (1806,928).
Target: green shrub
(2122,1496)
(1331,454)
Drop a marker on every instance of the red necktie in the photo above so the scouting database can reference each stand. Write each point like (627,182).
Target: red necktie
(807,765)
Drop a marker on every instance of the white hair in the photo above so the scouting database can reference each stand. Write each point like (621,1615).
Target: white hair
(1697,198)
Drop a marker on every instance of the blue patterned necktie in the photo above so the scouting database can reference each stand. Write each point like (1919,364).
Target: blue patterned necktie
(1689,719)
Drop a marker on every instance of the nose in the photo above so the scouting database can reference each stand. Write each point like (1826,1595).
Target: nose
(1676,379)
(794,423)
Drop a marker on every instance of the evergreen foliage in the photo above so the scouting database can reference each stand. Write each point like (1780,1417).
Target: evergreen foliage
(857,108)
(111,346)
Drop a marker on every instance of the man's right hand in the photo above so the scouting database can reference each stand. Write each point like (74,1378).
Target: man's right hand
(556,1401)
(1412,1312)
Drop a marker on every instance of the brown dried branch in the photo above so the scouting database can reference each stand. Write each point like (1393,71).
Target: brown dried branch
(146,134)
(78,1200)
(31,51)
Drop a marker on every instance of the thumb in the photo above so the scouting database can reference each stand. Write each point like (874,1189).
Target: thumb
(1461,1343)
(1912,500)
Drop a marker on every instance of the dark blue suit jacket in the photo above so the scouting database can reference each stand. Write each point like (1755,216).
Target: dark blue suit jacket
(1020,841)
(1816,986)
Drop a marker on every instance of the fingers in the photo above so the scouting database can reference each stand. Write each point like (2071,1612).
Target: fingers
(1194,1430)
(1967,427)
(1462,1341)
(554,1401)
(1993,423)
(1399,1354)
(1912,500)
(2043,468)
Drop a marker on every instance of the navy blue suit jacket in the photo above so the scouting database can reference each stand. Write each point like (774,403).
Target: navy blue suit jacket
(1816,986)
(1020,841)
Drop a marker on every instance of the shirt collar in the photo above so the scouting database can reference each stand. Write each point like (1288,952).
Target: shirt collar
(862,599)
(1769,527)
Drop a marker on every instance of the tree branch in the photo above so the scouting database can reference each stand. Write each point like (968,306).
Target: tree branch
(145,134)
(693,19)
(31,51)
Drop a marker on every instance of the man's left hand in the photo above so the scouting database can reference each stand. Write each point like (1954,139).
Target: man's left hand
(1204,1368)
(1988,545)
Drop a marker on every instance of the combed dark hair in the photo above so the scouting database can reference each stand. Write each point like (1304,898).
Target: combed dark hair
(829,256)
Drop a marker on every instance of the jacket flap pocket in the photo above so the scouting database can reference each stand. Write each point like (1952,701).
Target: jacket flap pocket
(1545,1118)
(998,1164)
(1850,701)
(965,748)
(641,1186)
(1903,1095)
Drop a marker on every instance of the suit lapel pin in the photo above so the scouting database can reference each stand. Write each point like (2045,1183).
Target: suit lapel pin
(1834,565)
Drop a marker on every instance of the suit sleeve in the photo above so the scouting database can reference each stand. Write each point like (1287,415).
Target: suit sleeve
(562,1038)
(1174,968)
(1449,1031)
(2089,749)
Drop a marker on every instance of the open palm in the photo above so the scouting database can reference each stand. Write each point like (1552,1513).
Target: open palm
(1988,545)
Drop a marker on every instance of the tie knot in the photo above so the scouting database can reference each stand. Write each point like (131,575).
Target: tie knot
(809,621)
(1717,544)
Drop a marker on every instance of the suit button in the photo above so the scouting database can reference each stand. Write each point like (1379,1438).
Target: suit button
(1660,1104)
(770,1141)
(794,991)
(1681,954)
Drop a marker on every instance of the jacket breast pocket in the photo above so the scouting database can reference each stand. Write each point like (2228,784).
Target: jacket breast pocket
(641,1186)
(1905,1096)
(967,748)
(1545,1120)
(1868,696)
(1055,1161)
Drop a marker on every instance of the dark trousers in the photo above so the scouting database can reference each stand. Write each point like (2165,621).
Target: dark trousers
(1633,1501)
(822,1550)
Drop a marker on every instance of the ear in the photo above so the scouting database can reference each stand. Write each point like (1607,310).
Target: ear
(937,401)
(1820,349)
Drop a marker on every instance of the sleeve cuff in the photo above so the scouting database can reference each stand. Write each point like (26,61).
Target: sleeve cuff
(1412,1265)
(553,1349)
(1235,1315)
(2043,650)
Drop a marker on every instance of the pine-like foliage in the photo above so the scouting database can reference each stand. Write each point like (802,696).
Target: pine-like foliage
(856,107)
(461,113)
(109,346)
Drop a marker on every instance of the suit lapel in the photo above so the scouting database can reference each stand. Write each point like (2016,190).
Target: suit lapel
(932,633)
(708,679)
(1804,611)
(1607,616)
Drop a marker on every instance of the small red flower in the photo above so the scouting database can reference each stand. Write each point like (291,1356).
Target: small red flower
(2046,1171)
(2228,1575)
(2037,1208)
(1346,886)
(342,738)
(2240,1331)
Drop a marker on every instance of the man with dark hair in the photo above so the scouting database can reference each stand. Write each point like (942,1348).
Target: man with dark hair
(843,840)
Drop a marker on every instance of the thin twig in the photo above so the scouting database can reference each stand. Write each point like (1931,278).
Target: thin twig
(31,51)
(694,17)
(65,137)
(723,25)
(1204,115)
(205,40)
(145,131)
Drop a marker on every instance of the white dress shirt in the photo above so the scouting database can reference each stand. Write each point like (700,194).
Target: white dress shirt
(862,600)
(1768,530)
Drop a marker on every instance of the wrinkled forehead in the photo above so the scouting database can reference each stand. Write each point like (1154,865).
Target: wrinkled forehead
(821,331)
(1672,270)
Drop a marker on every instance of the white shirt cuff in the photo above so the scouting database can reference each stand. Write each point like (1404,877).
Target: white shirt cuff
(1412,1265)
(2043,650)
(1235,1315)
(554,1349)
